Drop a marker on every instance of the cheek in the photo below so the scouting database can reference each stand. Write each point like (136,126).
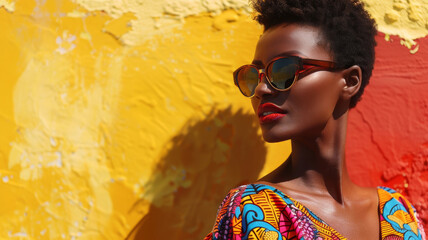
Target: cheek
(255,103)
(315,97)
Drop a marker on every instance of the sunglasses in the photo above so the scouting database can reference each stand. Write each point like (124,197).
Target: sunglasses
(281,73)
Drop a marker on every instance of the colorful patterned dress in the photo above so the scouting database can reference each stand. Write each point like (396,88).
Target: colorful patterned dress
(259,211)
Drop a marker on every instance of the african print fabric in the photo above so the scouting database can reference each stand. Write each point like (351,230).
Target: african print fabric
(259,211)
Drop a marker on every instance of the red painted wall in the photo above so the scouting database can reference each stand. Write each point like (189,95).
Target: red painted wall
(387,140)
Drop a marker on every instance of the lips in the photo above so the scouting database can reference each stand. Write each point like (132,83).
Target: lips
(269,112)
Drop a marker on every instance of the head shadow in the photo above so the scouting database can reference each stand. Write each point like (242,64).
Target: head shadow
(199,166)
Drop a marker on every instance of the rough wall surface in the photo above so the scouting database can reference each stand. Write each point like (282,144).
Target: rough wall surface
(388,131)
(120,117)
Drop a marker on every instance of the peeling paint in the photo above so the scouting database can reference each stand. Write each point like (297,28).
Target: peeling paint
(119,26)
(8,5)
(406,19)
(159,17)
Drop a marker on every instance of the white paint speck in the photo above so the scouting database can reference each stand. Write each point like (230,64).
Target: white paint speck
(53,142)
(168,104)
(68,39)
(57,162)
(5,179)
(43,232)
(63,96)
(18,234)
(177,70)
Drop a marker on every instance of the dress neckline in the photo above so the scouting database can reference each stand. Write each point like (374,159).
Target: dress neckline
(301,206)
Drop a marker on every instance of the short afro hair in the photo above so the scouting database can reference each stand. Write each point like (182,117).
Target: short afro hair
(348,30)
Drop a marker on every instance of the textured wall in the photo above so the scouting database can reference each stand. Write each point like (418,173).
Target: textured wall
(121,116)
(388,132)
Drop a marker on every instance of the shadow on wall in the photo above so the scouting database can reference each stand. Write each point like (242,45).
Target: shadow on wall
(200,166)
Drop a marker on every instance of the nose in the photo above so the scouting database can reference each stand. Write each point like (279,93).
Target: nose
(263,87)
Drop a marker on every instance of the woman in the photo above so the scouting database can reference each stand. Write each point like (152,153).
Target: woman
(310,67)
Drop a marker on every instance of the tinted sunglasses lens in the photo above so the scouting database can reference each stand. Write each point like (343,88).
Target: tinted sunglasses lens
(247,79)
(282,72)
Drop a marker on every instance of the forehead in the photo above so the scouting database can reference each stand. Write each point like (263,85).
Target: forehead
(302,40)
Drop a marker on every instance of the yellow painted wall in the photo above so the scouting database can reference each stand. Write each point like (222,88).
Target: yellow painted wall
(122,113)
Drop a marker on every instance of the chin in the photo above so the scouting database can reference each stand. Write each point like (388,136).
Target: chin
(273,138)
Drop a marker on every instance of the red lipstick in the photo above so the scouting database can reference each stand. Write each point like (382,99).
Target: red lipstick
(269,112)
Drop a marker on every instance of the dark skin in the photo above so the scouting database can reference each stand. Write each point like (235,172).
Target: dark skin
(316,119)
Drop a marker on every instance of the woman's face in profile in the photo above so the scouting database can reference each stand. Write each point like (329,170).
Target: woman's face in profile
(309,104)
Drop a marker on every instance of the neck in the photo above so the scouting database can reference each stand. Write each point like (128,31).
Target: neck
(317,163)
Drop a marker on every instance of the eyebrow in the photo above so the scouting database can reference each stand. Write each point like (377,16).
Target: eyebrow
(259,63)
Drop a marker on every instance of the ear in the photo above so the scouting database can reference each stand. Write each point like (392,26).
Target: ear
(352,77)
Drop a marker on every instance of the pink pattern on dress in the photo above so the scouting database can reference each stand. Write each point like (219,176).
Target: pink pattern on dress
(300,222)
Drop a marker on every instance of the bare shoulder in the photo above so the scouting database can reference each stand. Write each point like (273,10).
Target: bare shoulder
(367,193)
